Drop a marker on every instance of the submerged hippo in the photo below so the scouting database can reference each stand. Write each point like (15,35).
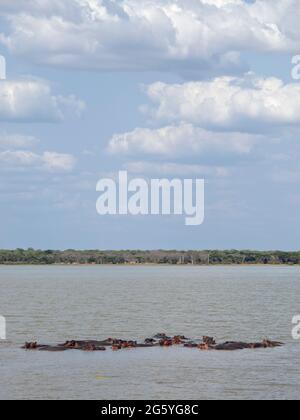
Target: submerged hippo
(191,345)
(161,339)
(232,345)
(30,346)
(179,339)
(161,336)
(204,346)
(150,341)
(209,341)
(53,349)
(166,343)
(92,347)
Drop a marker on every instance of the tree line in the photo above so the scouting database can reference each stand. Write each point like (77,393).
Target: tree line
(205,257)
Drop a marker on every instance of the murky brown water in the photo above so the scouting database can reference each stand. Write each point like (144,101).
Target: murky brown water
(52,304)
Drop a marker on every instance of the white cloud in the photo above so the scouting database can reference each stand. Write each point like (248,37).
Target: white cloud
(16,154)
(57,161)
(48,161)
(247,104)
(184,140)
(33,101)
(176,169)
(16,141)
(148,34)
(19,158)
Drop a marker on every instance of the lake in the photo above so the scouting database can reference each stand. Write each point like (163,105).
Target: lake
(55,304)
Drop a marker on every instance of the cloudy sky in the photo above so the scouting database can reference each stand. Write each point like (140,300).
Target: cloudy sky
(162,88)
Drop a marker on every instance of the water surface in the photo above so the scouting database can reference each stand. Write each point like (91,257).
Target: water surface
(53,304)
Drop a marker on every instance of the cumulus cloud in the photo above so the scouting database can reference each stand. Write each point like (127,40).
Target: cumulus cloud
(16,141)
(57,161)
(18,158)
(184,140)
(17,152)
(247,103)
(176,169)
(49,161)
(148,34)
(33,100)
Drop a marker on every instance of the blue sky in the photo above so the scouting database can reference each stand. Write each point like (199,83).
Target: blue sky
(165,88)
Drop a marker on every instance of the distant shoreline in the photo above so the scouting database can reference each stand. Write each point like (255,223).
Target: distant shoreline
(149,265)
(207,258)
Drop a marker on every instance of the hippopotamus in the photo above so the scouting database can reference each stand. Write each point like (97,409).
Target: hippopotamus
(179,339)
(70,344)
(271,344)
(161,339)
(30,346)
(91,346)
(81,345)
(166,343)
(204,346)
(116,347)
(161,336)
(209,340)
(150,341)
(191,345)
(231,345)
(146,345)
(33,346)
(52,348)
(129,344)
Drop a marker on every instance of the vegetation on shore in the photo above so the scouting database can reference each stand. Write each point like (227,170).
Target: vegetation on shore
(39,257)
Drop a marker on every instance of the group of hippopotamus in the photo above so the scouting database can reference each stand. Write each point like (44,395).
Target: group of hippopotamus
(162,340)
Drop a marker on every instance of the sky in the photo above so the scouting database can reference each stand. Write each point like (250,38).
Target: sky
(162,89)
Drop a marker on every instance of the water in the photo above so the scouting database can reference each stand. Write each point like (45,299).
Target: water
(52,304)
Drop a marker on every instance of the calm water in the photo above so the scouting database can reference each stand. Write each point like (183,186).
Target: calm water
(52,304)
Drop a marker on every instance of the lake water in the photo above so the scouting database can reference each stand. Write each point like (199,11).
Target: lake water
(53,304)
